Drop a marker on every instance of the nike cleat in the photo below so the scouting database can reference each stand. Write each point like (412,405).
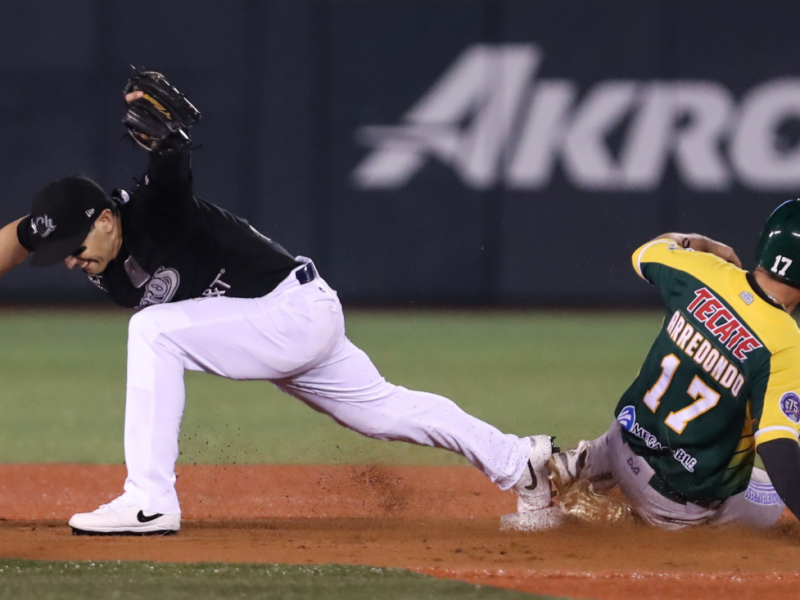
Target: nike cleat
(122,518)
(535,509)
(533,489)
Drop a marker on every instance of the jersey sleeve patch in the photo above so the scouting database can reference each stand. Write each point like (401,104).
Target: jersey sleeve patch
(790,406)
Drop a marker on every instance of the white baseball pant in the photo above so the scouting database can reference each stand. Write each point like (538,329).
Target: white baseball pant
(294,337)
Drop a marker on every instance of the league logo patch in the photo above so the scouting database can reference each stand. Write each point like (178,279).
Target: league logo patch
(627,418)
(790,406)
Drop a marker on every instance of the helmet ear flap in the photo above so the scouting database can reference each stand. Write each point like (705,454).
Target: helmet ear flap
(778,248)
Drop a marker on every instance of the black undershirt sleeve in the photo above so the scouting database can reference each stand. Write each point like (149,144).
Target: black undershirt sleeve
(782,461)
(24,234)
(169,168)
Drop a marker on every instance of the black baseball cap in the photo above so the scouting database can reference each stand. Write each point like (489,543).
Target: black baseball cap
(62,216)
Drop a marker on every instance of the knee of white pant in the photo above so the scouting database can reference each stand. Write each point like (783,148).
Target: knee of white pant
(150,323)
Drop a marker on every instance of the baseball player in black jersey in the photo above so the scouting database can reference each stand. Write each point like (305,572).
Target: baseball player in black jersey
(217,296)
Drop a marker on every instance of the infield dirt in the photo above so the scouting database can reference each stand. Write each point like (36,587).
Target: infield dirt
(441,521)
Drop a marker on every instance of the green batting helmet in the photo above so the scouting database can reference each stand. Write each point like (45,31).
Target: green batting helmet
(778,249)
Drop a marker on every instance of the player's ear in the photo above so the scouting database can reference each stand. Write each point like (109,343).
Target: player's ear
(105,222)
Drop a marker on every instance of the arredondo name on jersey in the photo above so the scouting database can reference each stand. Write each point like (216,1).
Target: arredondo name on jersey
(721,324)
(491,121)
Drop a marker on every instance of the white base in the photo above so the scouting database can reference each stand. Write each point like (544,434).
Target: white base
(535,520)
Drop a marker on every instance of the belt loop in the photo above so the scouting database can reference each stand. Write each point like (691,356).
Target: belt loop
(306,273)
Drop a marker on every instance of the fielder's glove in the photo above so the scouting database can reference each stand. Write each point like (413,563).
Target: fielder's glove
(162,117)
(582,502)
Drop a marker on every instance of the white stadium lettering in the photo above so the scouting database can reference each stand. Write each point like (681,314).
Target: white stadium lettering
(490,120)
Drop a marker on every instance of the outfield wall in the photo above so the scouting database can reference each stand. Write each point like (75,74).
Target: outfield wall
(496,152)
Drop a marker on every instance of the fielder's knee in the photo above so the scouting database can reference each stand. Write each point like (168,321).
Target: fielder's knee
(150,323)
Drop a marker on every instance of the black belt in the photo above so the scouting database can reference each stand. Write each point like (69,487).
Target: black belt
(665,490)
(306,273)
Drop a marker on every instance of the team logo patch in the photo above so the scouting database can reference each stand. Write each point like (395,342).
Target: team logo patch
(790,406)
(763,494)
(161,287)
(747,297)
(627,418)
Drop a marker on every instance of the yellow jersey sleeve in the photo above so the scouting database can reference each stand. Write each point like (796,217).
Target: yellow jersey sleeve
(780,415)
(657,251)
(668,253)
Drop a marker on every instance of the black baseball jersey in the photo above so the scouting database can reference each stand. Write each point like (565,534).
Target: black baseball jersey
(177,247)
(721,377)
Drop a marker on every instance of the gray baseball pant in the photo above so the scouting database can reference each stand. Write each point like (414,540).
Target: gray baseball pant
(611,461)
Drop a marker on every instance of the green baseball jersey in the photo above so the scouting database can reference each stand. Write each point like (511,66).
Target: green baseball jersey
(722,376)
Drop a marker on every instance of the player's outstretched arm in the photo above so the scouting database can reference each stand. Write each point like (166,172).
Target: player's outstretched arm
(12,253)
(701,243)
(159,118)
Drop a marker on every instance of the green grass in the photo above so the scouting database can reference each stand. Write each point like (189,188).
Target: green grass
(63,384)
(32,580)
